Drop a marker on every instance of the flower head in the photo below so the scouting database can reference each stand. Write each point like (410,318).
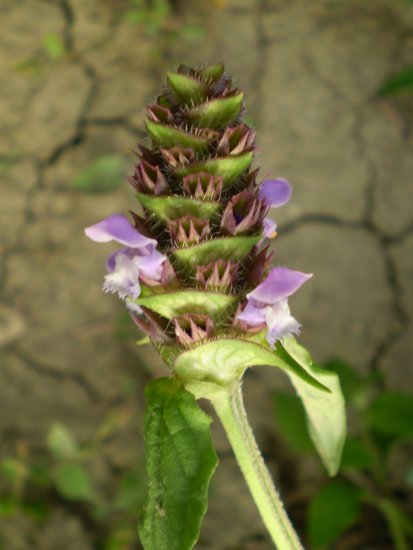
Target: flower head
(138,260)
(268,303)
(200,242)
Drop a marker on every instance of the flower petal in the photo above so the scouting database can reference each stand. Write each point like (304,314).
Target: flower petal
(124,279)
(280,283)
(118,228)
(280,322)
(275,192)
(111,261)
(252,315)
(270,227)
(150,265)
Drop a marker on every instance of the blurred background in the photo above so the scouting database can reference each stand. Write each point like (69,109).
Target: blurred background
(329,87)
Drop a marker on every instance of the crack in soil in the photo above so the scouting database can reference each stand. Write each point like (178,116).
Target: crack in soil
(50,372)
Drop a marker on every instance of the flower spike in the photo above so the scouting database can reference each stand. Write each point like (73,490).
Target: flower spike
(194,272)
(204,218)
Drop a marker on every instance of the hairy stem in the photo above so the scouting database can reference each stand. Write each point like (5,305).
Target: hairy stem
(230,409)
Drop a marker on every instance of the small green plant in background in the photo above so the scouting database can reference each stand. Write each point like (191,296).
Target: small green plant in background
(159,17)
(399,82)
(102,175)
(53,46)
(383,422)
(52,49)
(32,485)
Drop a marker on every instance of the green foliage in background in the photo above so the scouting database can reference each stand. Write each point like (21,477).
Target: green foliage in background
(51,49)
(157,17)
(103,175)
(33,485)
(384,421)
(53,45)
(399,82)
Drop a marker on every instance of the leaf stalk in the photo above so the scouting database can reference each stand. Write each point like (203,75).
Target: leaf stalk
(230,409)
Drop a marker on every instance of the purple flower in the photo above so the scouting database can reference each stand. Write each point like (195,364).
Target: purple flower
(276,193)
(270,228)
(126,266)
(268,303)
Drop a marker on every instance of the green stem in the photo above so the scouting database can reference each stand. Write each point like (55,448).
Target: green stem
(230,409)
(398,525)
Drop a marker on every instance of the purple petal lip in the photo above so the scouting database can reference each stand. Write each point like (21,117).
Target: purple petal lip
(252,315)
(118,228)
(280,283)
(280,322)
(275,192)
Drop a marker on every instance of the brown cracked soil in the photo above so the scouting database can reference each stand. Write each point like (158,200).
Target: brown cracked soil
(310,71)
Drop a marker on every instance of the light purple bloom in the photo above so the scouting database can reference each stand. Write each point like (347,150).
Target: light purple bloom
(270,228)
(138,258)
(268,303)
(118,228)
(275,192)
(280,283)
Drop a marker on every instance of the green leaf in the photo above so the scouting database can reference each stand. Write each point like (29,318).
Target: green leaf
(9,505)
(14,470)
(391,413)
(186,88)
(355,455)
(325,411)
(223,361)
(173,207)
(227,248)
(53,45)
(73,482)
(180,461)
(121,538)
(216,113)
(333,510)
(61,442)
(292,421)
(399,82)
(171,304)
(168,136)
(400,525)
(103,175)
(32,65)
(212,73)
(228,167)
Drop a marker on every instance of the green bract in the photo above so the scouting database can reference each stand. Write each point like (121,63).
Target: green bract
(216,113)
(186,88)
(175,303)
(229,168)
(226,248)
(167,136)
(173,207)
(224,361)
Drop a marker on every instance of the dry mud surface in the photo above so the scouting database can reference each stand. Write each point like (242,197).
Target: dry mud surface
(310,71)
